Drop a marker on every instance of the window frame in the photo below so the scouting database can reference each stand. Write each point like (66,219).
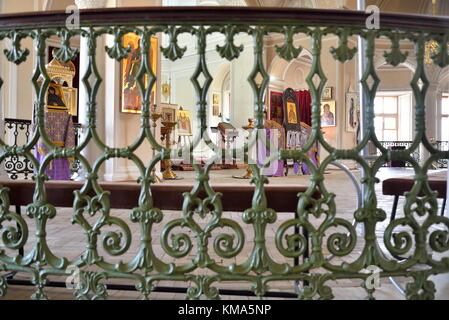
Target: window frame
(384,115)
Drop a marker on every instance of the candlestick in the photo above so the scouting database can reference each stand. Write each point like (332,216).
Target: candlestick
(249,171)
(168,173)
(155,116)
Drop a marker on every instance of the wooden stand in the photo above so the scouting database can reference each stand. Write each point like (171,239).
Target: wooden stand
(168,173)
(228,135)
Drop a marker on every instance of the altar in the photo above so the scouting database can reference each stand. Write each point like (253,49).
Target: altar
(290,116)
(60,107)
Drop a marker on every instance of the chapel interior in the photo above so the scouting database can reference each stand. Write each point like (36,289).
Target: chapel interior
(176,119)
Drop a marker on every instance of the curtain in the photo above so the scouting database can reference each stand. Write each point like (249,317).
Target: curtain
(305,107)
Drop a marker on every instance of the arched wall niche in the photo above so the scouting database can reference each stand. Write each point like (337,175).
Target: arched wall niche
(221,85)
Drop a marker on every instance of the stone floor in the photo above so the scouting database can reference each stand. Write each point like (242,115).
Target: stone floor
(67,240)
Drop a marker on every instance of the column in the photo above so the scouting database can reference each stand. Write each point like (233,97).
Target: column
(91,151)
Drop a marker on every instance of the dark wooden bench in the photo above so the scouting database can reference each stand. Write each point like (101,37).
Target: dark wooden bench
(166,196)
(398,186)
(125,195)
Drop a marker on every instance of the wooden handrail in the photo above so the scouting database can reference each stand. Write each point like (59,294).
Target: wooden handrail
(223,16)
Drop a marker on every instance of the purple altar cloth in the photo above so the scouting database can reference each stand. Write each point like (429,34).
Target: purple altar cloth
(276,168)
(60,130)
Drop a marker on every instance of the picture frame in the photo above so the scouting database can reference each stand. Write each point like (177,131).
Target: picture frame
(130,97)
(216,110)
(276,108)
(328,114)
(216,104)
(328,93)
(166,91)
(184,123)
(168,112)
(55,98)
(215,98)
(291,121)
(352,111)
(71,98)
(292,115)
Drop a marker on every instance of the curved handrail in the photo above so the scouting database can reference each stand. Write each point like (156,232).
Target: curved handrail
(223,15)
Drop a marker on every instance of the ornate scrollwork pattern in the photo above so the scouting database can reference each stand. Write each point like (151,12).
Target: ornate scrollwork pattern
(173,51)
(229,50)
(16,54)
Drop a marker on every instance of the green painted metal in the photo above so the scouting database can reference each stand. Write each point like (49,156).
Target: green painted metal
(259,268)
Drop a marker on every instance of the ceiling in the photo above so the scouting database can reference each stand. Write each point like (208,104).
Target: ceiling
(409,6)
(412,6)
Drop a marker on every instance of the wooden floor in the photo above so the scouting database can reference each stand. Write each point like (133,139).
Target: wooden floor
(67,240)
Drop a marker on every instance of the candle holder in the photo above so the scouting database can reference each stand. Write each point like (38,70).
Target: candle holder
(249,172)
(168,173)
(155,116)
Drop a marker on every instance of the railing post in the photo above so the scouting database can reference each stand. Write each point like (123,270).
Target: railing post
(90,152)
(362,63)
(431,102)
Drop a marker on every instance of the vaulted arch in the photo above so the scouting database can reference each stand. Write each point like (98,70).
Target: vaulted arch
(279,67)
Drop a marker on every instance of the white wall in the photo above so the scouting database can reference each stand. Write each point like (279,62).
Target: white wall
(183,93)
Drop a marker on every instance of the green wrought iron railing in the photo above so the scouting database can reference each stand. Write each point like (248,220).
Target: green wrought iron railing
(440,145)
(413,252)
(20,167)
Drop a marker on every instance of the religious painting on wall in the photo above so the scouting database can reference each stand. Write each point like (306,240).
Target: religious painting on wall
(276,107)
(292,115)
(216,104)
(327,93)
(55,97)
(328,114)
(131,100)
(184,123)
(166,91)
(216,99)
(352,111)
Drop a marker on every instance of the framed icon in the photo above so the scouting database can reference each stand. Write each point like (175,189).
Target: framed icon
(169,112)
(352,111)
(292,116)
(328,93)
(131,99)
(216,110)
(55,97)
(328,114)
(184,123)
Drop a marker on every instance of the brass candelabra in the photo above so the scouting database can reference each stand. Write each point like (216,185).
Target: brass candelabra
(155,116)
(168,173)
(249,171)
